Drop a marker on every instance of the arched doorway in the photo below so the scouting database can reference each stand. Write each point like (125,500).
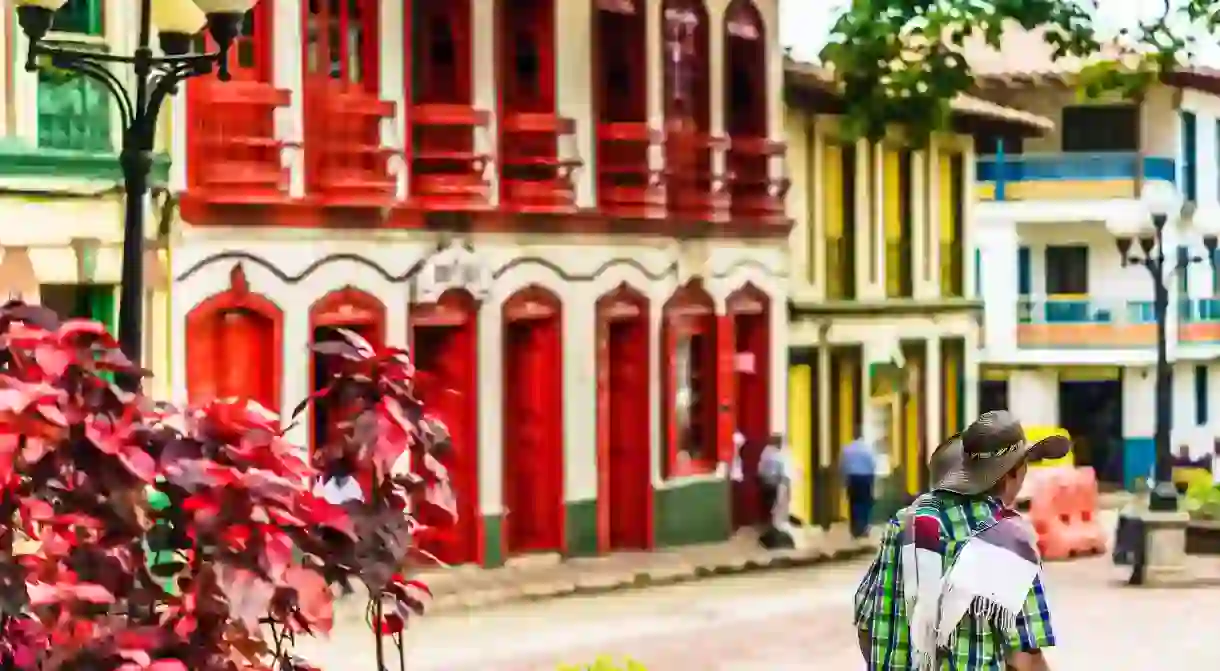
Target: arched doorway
(689,381)
(444,349)
(533,422)
(347,308)
(234,346)
(749,309)
(624,464)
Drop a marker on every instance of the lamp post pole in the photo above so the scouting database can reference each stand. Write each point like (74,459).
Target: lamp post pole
(157,78)
(1164,496)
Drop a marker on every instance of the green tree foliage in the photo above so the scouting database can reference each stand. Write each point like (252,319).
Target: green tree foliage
(901,61)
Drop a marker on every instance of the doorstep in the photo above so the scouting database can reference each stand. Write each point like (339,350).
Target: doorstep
(464,588)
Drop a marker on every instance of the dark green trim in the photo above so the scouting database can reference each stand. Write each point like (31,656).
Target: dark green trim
(890,306)
(493,541)
(697,512)
(18,159)
(582,528)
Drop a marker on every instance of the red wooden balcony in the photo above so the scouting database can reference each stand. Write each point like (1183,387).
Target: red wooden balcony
(754,192)
(534,178)
(234,156)
(627,186)
(346,164)
(693,188)
(446,172)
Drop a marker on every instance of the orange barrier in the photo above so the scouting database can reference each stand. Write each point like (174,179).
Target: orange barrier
(1048,512)
(1091,536)
(1063,510)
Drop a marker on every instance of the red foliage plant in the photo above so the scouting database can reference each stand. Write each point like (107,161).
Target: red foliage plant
(135,536)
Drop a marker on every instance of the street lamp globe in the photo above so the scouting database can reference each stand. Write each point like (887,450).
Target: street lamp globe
(224,22)
(35,16)
(177,22)
(1161,200)
(49,5)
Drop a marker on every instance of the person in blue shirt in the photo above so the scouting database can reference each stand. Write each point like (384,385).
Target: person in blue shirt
(858,466)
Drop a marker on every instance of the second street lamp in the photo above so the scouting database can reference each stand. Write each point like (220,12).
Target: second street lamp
(1161,205)
(157,78)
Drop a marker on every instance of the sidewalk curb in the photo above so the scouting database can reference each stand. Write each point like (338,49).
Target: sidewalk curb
(643,578)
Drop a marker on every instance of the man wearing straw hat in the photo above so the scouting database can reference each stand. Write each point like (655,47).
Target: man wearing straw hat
(957,581)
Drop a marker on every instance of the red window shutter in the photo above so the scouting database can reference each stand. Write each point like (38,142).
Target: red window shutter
(726,350)
(669,397)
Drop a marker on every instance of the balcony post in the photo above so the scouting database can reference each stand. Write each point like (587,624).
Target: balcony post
(394,60)
(999,169)
(288,72)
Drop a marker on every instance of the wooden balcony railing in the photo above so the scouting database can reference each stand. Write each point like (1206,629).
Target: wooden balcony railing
(754,192)
(446,171)
(627,184)
(346,163)
(234,154)
(535,177)
(694,189)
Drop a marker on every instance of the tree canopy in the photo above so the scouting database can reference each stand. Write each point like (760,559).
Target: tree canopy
(902,61)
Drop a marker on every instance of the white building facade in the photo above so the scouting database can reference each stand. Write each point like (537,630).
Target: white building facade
(454,177)
(1070,334)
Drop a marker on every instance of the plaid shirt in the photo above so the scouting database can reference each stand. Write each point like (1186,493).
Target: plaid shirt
(881,611)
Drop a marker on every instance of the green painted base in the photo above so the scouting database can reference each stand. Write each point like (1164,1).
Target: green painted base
(693,513)
(493,541)
(582,528)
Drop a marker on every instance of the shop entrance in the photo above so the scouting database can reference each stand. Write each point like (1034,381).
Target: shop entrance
(533,422)
(444,349)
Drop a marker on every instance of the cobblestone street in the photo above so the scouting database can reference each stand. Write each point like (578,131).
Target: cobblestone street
(796,619)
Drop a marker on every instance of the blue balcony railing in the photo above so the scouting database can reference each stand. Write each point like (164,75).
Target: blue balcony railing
(1058,176)
(1063,310)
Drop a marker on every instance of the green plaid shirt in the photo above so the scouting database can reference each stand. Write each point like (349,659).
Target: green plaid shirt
(881,612)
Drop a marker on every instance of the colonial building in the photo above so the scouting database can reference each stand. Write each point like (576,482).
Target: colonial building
(1071,333)
(61,198)
(884,297)
(571,211)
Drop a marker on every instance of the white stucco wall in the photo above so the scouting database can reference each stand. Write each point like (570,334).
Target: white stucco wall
(1034,396)
(656,271)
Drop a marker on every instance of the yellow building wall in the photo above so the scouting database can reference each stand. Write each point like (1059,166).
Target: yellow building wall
(801,439)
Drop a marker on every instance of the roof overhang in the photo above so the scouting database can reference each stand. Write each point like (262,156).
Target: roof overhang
(813,87)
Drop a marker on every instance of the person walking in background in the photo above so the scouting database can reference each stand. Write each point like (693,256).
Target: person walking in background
(858,466)
(776,471)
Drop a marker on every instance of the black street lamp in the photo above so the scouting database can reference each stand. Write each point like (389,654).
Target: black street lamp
(1161,200)
(157,77)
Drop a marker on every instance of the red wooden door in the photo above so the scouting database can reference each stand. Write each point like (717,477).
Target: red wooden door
(629,465)
(445,355)
(748,330)
(533,436)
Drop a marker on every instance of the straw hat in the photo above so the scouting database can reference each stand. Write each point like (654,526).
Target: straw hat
(987,450)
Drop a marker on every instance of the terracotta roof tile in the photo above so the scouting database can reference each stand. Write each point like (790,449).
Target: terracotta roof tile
(813,76)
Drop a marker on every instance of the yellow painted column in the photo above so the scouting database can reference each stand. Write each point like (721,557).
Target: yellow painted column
(944,169)
(951,371)
(835,262)
(891,205)
(913,402)
(801,439)
(849,388)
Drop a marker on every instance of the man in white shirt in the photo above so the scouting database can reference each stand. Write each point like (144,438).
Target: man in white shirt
(776,471)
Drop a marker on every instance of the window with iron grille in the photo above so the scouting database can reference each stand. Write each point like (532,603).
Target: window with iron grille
(73,113)
(79,16)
